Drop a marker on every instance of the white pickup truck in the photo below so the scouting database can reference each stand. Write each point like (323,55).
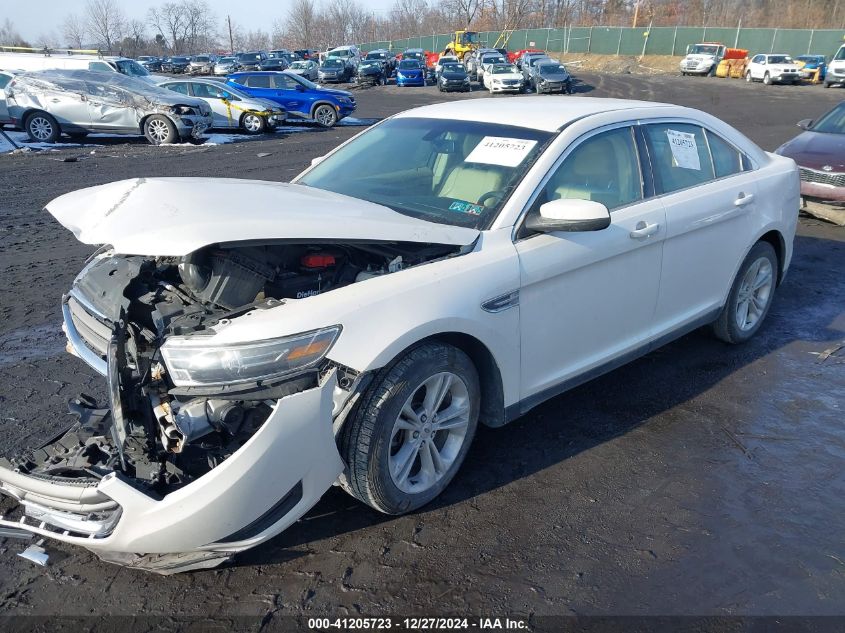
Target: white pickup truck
(702,59)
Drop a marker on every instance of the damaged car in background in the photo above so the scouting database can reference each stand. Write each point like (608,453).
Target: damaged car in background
(261,341)
(46,104)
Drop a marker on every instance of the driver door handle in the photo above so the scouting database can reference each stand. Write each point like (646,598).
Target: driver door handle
(744,199)
(643,230)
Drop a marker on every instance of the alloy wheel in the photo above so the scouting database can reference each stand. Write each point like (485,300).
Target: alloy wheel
(41,128)
(158,130)
(754,294)
(429,432)
(252,123)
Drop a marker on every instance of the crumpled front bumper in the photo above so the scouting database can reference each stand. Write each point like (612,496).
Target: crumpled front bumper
(269,483)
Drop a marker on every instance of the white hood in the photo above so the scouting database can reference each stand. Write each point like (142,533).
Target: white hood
(176,216)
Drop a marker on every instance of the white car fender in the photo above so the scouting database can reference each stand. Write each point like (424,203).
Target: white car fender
(386,314)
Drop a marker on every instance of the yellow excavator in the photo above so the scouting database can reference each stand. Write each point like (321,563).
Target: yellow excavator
(464,42)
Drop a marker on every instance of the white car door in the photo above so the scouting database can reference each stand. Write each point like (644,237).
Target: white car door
(586,298)
(4,112)
(709,197)
(757,66)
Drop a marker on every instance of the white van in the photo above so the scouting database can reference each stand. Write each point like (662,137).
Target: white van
(42,61)
(836,69)
(349,54)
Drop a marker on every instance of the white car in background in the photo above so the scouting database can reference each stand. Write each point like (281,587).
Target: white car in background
(356,325)
(230,107)
(503,78)
(773,69)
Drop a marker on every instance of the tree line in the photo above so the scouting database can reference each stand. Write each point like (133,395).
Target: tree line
(190,26)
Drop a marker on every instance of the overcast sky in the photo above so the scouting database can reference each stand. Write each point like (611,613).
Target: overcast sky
(34,19)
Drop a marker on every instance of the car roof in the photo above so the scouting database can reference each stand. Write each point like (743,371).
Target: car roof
(529,112)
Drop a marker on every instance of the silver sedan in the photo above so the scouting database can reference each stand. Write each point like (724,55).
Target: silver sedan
(307,68)
(230,107)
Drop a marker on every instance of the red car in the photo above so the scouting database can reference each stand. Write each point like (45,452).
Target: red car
(820,153)
(514,56)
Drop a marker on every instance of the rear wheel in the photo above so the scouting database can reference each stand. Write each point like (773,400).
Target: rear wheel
(160,130)
(42,128)
(253,123)
(413,429)
(750,297)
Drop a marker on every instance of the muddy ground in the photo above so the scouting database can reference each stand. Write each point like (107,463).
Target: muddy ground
(702,479)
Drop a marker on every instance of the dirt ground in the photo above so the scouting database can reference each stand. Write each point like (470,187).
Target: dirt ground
(621,64)
(700,480)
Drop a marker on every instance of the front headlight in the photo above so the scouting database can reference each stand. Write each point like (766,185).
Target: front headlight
(192,362)
(182,109)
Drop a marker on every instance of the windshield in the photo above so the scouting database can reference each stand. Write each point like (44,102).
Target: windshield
(833,122)
(532,61)
(201,58)
(492,59)
(376,55)
(503,69)
(810,59)
(371,64)
(225,60)
(249,57)
(299,65)
(408,64)
(551,69)
(131,68)
(180,60)
(453,67)
(412,55)
(780,59)
(702,49)
(468,37)
(342,52)
(333,63)
(452,172)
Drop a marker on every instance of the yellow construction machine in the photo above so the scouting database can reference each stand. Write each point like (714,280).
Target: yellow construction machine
(464,42)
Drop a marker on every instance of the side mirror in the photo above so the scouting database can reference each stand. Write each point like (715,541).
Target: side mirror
(805,124)
(567,214)
(300,87)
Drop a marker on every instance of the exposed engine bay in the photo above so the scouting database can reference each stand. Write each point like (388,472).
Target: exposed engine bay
(125,307)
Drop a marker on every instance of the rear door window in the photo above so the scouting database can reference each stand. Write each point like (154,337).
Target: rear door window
(680,156)
(727,161)
(258,81)
(180,87)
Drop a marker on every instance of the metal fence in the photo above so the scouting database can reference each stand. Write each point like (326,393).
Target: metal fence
(612,40)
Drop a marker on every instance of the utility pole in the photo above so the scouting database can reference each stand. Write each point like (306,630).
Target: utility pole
(231,39)
(636,14)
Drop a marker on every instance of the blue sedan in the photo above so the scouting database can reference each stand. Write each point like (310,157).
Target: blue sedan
(300,97)
(811,62)
(410,72)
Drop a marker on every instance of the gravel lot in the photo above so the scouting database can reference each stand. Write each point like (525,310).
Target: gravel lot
(701,480)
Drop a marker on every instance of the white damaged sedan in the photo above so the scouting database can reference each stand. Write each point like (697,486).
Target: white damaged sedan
(453,265)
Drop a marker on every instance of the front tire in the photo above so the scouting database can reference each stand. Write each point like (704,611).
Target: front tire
(412,429)
(748,77)
(325,115)
(42,128)
(160,130)
(767,79)
(750,297)
(253,123)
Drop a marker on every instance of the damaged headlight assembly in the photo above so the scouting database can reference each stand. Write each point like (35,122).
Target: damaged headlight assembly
(185,110)
(192,362)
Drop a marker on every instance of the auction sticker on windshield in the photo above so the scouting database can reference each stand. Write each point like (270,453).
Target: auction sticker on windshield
(498,150)
(684,149)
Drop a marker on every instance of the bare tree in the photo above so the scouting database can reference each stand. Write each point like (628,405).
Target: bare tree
(74,31)
(9,35)
(105,22)
(301,22)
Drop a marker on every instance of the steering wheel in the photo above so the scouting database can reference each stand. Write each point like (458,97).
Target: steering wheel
(497,193)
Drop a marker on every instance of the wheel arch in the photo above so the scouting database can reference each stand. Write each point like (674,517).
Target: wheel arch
(320,102)
(492,411)
(776,239)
